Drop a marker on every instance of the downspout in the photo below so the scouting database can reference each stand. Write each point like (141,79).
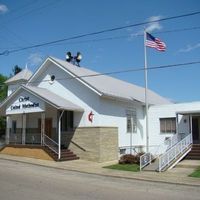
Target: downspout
(177,122)
(191,131)
(59,135)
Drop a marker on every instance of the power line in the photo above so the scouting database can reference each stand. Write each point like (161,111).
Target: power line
(122,71)
(98,32)
(134,70)
(122,36)
(126,36)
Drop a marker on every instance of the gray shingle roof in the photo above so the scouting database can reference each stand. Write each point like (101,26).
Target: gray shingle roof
(112,87)
(24,75)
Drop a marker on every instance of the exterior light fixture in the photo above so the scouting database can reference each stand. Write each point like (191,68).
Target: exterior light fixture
(69,56)
(78,57)
(74,59)
(52,78)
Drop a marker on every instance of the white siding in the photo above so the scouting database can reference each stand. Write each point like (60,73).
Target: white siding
(168,111)
(107,112)
(113,113)
(72,90)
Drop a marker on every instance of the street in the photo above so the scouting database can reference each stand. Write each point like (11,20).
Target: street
(22,181)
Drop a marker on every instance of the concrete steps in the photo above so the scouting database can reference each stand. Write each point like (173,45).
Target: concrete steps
(194,154)
(66,155)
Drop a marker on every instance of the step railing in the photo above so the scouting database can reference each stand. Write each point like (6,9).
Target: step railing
(174,152)
(172,141)
(51,144)
(148,157)
(145,159)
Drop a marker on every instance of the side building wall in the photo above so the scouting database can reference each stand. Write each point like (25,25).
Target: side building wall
(114,113)
(156,138)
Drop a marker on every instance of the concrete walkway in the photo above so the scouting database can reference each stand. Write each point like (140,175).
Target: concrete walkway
(178,175)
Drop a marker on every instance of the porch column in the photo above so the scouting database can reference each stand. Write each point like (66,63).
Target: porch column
(59,135)
(42,127)
(177,122)
(8,126)
(190,117)
(23,128)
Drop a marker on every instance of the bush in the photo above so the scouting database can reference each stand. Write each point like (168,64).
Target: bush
(130,159)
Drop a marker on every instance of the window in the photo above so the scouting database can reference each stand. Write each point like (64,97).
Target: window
(67,121)
(14,126)
(167,125)
(131,120)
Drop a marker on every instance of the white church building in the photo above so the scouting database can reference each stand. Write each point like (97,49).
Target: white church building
(63,106)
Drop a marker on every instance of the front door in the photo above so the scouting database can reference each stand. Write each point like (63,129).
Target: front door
(48,126)
(195,129)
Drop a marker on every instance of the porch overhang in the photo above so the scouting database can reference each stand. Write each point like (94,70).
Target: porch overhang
(188,112)
(16,101)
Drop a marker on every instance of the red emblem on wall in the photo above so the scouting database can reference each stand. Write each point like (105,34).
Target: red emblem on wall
(90,116)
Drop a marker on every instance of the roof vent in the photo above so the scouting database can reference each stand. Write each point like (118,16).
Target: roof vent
(75,60)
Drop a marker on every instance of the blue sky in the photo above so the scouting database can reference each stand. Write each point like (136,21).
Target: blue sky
(29,22)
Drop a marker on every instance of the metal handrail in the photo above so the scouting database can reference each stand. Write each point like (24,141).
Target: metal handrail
(172,140)
(172,153)
(51,144)
(147,158)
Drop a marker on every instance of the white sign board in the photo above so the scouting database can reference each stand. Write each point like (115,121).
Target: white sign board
(25,103)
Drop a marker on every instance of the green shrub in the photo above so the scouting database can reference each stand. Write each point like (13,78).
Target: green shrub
(130,159)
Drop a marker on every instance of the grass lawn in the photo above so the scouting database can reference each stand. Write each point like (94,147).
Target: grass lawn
(125,167)
(196,173)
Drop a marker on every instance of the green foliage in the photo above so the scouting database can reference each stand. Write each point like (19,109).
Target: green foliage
(125,167)
(16,69)
(196,173)
(2,124)
(3,87)
(3,94)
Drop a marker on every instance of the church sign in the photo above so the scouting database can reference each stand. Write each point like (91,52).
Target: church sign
(25,103)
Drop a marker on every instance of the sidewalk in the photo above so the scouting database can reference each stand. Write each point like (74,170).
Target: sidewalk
(178,175)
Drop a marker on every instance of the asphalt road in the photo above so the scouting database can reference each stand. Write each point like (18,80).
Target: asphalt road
(19,181)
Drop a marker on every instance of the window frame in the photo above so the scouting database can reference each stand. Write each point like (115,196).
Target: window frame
(131,118)
(167,125)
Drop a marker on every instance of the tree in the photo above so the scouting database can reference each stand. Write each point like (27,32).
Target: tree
(3,94)
(16,69)
(3,87)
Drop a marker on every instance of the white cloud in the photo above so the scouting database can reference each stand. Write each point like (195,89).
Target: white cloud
(152,25)
(3,9)
(189,48)
(35,59)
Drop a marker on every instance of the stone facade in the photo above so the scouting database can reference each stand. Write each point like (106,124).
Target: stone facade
(97,144)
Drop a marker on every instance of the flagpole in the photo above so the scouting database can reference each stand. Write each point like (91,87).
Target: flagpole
(146,93)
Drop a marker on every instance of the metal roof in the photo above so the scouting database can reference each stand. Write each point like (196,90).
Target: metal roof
(24,75)
(47,96)
(54,99)
(111,87)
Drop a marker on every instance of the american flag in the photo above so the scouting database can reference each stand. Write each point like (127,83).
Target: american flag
(154,42)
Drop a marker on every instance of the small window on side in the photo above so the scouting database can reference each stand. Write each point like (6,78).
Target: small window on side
(168,125)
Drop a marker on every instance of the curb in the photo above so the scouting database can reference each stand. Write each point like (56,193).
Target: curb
(105,175)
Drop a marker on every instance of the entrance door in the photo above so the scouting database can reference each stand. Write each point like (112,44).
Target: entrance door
(48,126)
(195,129)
